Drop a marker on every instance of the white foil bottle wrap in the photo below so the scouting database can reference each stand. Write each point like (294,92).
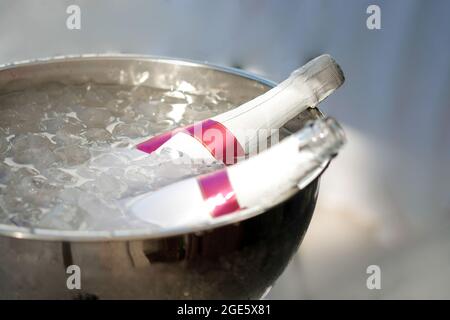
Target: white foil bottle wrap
(262,181)
(231,135)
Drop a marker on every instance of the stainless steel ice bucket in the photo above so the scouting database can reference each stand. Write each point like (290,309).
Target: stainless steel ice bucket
(239,260)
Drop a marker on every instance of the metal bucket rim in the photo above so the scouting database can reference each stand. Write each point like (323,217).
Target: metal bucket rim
(126,56)
(129,234)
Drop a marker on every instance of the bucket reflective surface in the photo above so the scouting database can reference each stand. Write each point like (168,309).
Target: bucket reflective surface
(240,260)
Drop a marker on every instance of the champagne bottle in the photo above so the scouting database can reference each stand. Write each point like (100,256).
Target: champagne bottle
(259,182)
(226,137)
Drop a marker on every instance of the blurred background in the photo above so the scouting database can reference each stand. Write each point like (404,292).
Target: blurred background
(386,200)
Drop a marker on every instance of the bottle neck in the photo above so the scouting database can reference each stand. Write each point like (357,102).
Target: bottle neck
(322,138)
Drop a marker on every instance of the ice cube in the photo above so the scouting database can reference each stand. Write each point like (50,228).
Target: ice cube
(128,115)
(170,171)
(108,160)
(162,126)
(70,196)
(190,116)
(174,97)
(139,173)
(108,186)
(5,173)
(26,192)
(8,118)
(101,214)
(19,122)
(4,216)
(21,173)
(52,125)
(116,172)
(162,109)
(62,217)
(95,117)
(97,96)
(40,158)
(31,140)
(69,133)
(73,155)
(133,154)
(64,138)
(4,145)
(134,130)
(87,173)
(27,217)
(36,190)
(118,107)
(67,97)
(98,136)
(139,179)
(149,110)
(59,177)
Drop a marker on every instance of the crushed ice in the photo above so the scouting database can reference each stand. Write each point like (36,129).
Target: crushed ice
(67,153)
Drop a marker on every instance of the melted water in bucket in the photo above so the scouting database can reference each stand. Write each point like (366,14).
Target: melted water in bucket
(67,153)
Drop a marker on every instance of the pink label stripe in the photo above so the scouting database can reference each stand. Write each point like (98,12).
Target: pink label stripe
(222,144)
(218,192)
